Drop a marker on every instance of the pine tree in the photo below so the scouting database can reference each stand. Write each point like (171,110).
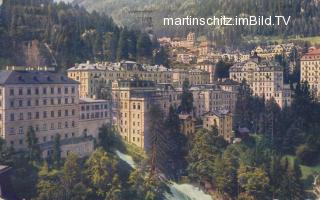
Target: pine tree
(186,105)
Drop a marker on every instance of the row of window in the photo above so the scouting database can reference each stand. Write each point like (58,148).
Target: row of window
(45,114)
(42,90)
(44,139)
(44,102)
(94,107)
(53,126)
(94,115)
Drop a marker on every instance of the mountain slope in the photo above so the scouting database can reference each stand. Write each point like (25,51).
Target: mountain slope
(305,14)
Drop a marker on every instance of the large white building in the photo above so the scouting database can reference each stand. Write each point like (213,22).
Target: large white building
(310,70)
(49,103)
(265,78)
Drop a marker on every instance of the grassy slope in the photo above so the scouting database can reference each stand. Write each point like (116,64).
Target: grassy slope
(307,171)
(262,39)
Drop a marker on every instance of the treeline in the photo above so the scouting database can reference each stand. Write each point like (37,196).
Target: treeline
(68,34)
(305,15)
(102,175)
(292,130)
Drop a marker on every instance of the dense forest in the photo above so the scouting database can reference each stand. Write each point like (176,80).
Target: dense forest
(40,32)
(304,15)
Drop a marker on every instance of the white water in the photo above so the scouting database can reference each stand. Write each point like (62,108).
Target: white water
(178,191)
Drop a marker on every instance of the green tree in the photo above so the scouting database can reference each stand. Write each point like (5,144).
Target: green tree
(206,146)
(254,181)
(100,171)
(56,156)
(186,105)
(32,144)
(108,139)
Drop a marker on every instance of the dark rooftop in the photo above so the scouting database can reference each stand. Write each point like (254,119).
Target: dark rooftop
(33,77)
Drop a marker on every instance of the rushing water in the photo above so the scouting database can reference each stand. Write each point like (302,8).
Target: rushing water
(178,191)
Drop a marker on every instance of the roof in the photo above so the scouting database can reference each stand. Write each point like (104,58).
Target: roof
(90,100)
(68,141)
(184,116)
(218,113)
(34,77)
(4,169)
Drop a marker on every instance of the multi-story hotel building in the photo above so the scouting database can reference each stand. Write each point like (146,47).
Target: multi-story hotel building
(270,51)
(194,76)
(222,120)
(132,100)
(94,113)
(265,79)
(49,103)
(46,101)
(93,76)
(310,70)
(209,67)
(214,97)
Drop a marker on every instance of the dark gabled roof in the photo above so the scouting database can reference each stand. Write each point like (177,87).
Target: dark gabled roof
(34,77)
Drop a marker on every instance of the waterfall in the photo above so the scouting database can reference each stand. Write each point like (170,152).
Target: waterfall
(178,191)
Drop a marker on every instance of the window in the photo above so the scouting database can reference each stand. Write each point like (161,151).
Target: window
(21,130)
(44,127)
(59,90)
(52,113)
(29,91)
(73,112)
(59,125)
(59,113)
(59,101)
(44,91)
(52,126)
(20,103)
(66,125)
(12,117)
(52,90)
(73,90)
(29,115)
(29,102)
(66,90)
(11,131)
(66,113)
(44,114)
(66,101)
(44,102)
(11,92)
(11,103)
(52,101)
(36,91)
(37,115)
(20,91)
(37,102)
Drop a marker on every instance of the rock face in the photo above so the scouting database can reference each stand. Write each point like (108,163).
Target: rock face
(32,54)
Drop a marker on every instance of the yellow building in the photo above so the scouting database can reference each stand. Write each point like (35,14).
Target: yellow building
(187,124)
(222,120)
(265,78)
(94,76)
(194,76)
(310,70)
(132,100)
(270,51)
(209,67)
(213,97)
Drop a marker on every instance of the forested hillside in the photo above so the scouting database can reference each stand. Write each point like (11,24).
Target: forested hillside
(305,15)
(40,32)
